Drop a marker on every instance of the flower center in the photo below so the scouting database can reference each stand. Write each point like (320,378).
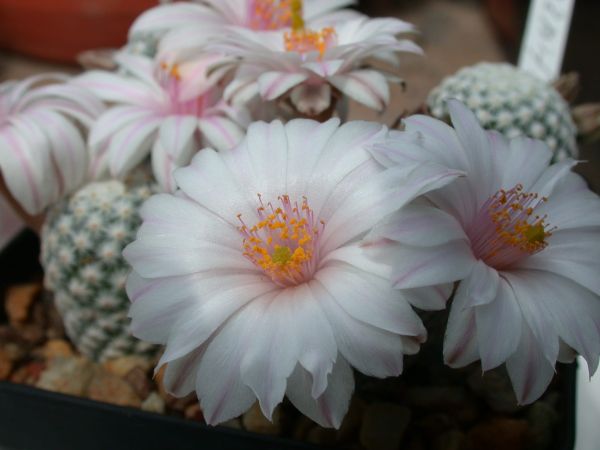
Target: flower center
(270,14)
(284,242)
(170,77)
(506,229)
(303,40)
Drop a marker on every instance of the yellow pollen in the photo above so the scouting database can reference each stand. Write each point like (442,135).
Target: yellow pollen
(171,70)
(305,41)
(507,229)
(296,11)
(282,255)
(272,14)
(283,241)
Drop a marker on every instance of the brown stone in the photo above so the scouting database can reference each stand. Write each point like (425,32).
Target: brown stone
(28,374)
(19,300)
(55,328)
(194,412)
(123,365)
(139,381)
(109,388)
(6,365)
(14,350)
(56,348)
(32,333)
(499,434)
(70,375)
(254,420)
(154,403)
(383,426)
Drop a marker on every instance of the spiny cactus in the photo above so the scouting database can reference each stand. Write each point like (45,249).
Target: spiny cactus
(511,101)
(82,241)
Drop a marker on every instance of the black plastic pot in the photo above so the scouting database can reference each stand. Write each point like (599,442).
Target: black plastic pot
(32,419)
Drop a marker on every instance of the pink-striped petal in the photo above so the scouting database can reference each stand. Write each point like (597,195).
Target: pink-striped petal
(365,86)
(274,84)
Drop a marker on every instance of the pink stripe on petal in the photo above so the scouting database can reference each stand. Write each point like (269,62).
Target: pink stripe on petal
(16,149)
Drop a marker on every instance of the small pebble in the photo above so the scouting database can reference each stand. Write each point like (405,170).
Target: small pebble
(254,420)
(194,412)
(18,301)
(55,348)
(123,365)
(109,388)
(69,375)
(138,380)
(6,365)
(154,403)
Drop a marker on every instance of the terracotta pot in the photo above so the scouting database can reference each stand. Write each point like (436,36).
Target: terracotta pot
(60,29)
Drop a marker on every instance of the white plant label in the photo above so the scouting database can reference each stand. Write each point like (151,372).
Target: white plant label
(545,38)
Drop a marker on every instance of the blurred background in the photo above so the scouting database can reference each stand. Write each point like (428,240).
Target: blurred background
(47,35)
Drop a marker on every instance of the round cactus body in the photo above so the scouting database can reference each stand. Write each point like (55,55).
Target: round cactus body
(82,241)
(512,102)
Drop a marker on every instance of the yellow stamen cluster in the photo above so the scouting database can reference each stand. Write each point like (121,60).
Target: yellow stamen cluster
(271,14)
(282,243)
(171,70)
(516,223)
(305,41)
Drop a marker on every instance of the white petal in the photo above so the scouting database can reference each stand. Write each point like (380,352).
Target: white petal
(314,337)
(571,311)
(67,147)
(425,266)
(529,371)
(27,169)
(478,148)
(325,68)
(524,163)
(138,66)
(370,299)
(212,305)
(378,197)
(420,225)
(536,310)
(164,256)
(373,351)
(329,409)
(176,133)
(180,374)
(271,354)
(498,327)
(113,120)
(220,132)
(573,254)
(163,167)
(222,393)
(212,184)
(131,145)
(119,89)
(481,285)
(274,84)
(260,162)
(432,298)
(165,17)
(460,341)
(365,86)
